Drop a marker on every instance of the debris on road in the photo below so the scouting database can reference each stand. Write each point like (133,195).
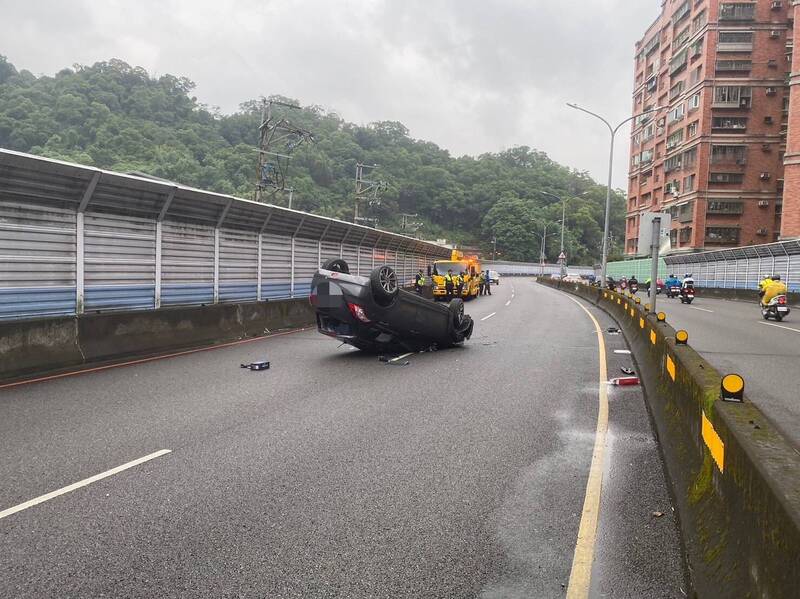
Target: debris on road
(625,352)
(624,381)
(613,330)
(263,365)
(657,514)
(626,370)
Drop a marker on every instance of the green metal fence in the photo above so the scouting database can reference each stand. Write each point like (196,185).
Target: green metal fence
(638,268)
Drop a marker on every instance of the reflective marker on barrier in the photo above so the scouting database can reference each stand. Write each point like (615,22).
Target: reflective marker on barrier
(681,337)
(661,316)
(641,323)
(732,388)
(713,442)
(653,337)
(671,368)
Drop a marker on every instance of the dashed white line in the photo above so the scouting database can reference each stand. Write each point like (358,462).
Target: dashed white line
(508,303)
(780,326)
(87,481)
(703,309)
(488,316)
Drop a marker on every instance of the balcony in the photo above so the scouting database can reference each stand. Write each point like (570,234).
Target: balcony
(735,46)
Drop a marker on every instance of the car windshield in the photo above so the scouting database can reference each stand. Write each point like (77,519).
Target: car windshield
(440,268)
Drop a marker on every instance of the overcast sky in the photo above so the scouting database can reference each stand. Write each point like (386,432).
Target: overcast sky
(470,75)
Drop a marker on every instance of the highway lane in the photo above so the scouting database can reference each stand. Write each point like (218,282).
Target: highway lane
(334,475)
(733,337)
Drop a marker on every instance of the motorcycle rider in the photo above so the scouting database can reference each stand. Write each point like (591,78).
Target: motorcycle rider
(764,283)
(688,281)
(633,284)
(672,281)
(773,289)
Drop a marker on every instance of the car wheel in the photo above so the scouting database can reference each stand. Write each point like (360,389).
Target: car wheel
(456,309)
(383,282)
(337,265)
(778,318)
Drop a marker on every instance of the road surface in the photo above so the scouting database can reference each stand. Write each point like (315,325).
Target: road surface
(462,474)
(734,337)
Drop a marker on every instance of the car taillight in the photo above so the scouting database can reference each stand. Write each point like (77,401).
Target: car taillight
(781,299)
(358,312)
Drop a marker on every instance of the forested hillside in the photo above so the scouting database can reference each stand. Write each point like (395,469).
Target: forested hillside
(115,116)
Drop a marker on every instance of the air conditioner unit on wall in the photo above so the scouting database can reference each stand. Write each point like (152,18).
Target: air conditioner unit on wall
(768,120)
(777,4)
(766,147)
(761,232)
(765,176)
(771,91)
(774,34)
(763,203)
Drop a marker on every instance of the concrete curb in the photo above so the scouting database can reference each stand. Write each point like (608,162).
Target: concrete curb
(736,480)
(35,347)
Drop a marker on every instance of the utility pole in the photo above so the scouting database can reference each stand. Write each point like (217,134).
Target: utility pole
(366,191)
(407,223)
(291,195)
(655,246)
(494,248)
(276,134)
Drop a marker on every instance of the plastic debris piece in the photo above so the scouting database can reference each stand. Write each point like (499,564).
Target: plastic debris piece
(625,352)
(657,514)
(624,381)
(626,370)
(612,330)
(263,365)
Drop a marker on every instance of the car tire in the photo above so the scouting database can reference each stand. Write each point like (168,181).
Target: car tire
(336,265)
(456,309)
(383,283)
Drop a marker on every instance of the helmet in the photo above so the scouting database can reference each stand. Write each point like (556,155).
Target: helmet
(776,277)
(673,276)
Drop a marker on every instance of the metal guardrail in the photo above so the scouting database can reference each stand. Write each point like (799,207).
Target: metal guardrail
(533,268)
(76,239)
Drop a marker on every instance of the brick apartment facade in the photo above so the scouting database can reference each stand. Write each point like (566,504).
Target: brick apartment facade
(714,157)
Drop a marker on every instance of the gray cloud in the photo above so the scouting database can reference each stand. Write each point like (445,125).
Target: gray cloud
(472,76)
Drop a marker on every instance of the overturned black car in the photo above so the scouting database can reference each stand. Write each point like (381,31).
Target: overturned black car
(374,314)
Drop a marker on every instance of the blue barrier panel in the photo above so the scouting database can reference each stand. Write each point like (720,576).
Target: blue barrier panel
(237,292)
(30,302)
(173,295)
(119,297)
(275,290)
(301,289)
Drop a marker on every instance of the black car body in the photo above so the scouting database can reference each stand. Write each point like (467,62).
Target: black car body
(374,314)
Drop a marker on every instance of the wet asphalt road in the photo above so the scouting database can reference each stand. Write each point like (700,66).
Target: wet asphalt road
(734,337)
(334,475)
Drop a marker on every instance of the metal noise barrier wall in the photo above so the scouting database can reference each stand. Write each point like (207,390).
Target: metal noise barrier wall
(78,240)
(736,480)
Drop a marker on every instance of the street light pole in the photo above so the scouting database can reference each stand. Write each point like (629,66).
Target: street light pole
(613,131)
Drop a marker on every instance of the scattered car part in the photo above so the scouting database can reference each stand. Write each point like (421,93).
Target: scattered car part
(264,365)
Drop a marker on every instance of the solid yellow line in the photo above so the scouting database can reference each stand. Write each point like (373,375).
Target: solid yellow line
(581,574)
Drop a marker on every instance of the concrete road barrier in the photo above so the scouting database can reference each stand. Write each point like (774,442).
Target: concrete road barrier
(32,347)
(736,480)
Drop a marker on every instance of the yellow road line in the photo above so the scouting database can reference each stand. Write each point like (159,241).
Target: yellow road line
(581,574)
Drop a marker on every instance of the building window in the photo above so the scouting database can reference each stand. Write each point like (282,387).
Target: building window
(737,154)
(732,96)
(699,20)
(679,62)
(672,164)
(682,12)
(649,132)
(731,67)
(675,139)
(739,11)
(690,158)
(694,102)
(685,212)
(676,90)
(722,235)
(715,207)
(735,41)
(647,156)
(729,123)
(673,237)
(685,235)
(726,178)
(651,45)
(681,38)
(677,113)
(688,183)
(696,48)
(691,130)
(696,74)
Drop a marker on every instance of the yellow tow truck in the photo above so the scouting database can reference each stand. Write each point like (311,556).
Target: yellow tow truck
(467,267)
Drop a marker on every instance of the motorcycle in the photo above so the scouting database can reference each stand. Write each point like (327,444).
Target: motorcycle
(777,308)
(673,291)
(687,295)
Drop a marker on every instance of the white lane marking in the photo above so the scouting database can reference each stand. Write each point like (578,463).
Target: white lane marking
(401,357)
(82,483)
(703,309)
(622,351)
(508,303)
(780,326)
(489,316)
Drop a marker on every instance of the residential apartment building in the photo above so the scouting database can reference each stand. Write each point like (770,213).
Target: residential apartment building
(713,157)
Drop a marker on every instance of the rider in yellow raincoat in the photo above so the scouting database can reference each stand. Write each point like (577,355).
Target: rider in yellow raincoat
(772,289)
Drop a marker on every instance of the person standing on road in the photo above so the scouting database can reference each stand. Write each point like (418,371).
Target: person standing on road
(461,279)
(488,283)
(482,283)
(448,283)
(419,281)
